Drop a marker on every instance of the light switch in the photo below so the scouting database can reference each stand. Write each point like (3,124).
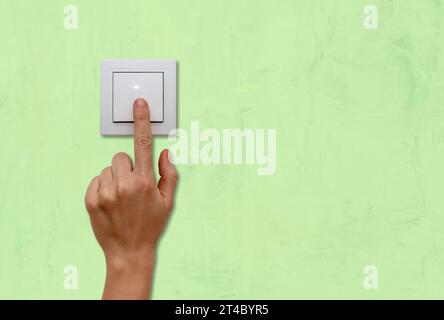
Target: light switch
(123,81)
(128,86)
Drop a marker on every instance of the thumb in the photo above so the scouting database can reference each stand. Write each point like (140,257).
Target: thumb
(168,178)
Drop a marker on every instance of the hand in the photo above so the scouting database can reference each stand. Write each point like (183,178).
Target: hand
(128,210)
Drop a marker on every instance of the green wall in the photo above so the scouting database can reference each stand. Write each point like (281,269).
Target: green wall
(359,116)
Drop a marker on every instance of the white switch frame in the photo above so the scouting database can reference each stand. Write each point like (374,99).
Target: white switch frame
(169,70)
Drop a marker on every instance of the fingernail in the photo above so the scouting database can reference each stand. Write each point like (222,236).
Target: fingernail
(140,103)
(170,157)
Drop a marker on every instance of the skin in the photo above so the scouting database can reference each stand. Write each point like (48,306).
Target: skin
(128,210)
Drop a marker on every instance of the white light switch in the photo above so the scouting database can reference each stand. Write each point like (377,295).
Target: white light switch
(127,87)
(123,81)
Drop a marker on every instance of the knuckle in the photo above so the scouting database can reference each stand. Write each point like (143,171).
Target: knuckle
(122,189)
(120,155)
(174,176)
(144,142)
(140,116)
(105,171)
(106,200)
(92,205)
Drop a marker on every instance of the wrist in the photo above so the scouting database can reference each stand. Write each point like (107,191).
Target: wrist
(130,262)
(129,276)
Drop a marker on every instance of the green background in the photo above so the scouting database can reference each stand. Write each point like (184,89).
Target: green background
(360,145)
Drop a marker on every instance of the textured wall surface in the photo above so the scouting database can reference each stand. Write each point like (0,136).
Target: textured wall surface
(360,145)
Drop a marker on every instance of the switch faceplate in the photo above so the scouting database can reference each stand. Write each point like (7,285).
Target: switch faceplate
(128,86)
(123,81)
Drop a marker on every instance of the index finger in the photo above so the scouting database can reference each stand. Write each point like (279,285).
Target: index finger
(143,138)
